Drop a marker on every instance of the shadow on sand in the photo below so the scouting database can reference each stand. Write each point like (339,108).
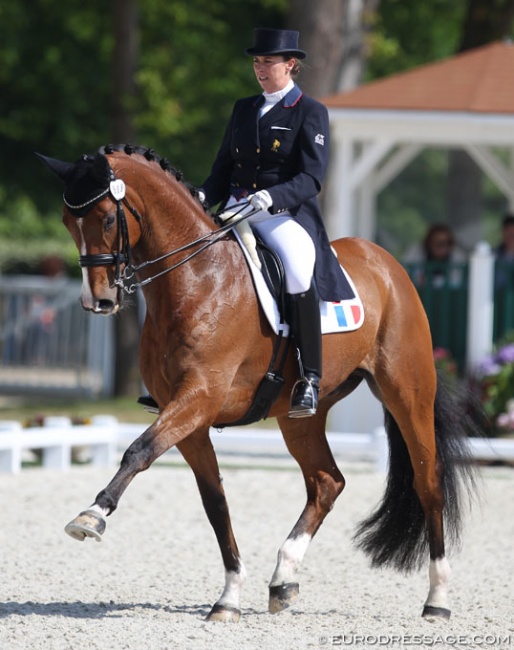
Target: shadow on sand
(79,609)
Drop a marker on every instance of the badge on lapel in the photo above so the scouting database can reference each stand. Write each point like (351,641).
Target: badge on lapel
(275,145)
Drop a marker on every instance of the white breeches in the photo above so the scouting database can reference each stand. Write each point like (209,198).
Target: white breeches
(284,235)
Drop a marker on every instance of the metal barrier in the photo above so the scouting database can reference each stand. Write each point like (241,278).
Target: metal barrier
(48,344)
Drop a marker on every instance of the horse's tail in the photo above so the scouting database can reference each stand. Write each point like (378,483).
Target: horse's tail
(395,534)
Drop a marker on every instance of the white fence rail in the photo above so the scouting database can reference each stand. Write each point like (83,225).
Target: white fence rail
(105,436)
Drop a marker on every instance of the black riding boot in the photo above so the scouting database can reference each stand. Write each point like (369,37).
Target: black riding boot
(306,328)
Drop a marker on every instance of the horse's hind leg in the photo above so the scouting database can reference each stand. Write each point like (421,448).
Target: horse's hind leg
(412,510)
(198,452)
(307,443)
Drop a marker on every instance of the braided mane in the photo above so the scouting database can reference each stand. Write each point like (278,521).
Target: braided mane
(150,155)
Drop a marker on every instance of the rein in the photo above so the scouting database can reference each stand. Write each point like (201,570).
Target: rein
(117,190)
(210,238)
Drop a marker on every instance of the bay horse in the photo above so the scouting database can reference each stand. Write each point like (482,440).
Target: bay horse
(206,344)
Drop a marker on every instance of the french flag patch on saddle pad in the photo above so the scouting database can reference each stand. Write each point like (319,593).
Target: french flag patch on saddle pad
(344,316)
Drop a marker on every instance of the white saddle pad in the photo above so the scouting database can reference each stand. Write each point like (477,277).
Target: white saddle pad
(344,316)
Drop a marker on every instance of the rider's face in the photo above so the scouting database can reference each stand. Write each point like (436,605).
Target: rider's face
(273,72)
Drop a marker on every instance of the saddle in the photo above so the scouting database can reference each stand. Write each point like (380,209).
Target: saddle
(274,276)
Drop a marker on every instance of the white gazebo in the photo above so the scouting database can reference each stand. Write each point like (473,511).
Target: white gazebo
(466,102)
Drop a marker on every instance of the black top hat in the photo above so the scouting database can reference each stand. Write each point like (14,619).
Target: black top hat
(275,41)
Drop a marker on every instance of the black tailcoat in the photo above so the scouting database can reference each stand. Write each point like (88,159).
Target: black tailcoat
(285,152)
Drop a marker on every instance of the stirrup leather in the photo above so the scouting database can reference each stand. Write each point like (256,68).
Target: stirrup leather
(304,398)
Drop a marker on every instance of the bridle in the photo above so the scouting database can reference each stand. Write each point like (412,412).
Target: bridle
(117,191)
(123,277)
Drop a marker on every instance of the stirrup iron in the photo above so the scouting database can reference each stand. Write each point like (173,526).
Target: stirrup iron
(304,397)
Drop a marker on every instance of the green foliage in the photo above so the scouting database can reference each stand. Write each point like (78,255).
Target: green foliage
(55,90)
(192,69)
(56,85)
(409,33)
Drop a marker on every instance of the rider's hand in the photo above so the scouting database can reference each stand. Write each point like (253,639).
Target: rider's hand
(236,210)
(261,200)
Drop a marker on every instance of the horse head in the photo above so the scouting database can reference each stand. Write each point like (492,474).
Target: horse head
(94,216)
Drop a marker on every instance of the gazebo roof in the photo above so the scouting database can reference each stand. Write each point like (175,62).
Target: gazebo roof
(464,102)
(477,81)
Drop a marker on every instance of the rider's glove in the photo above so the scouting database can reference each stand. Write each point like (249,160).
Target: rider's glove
(261,200)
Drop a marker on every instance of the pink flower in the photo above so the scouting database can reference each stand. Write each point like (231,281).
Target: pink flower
(441,354)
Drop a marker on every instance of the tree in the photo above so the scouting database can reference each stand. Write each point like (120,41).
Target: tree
(160,74)
(333,32)
(60,95)
(125,58)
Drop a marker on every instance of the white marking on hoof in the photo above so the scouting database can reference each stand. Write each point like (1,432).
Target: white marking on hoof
(290,556)
(439,575)
(227,609)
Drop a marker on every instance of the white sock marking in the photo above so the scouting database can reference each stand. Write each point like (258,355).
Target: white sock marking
(290,556)
(233,586)
(439,575)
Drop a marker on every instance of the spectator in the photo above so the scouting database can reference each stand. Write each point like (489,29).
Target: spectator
(434,255)
(52,266)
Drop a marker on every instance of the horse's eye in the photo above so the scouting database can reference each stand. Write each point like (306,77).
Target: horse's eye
(109,221)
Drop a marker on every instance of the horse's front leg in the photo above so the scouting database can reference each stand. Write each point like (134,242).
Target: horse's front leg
(307,443)
(138,457)
(198,451)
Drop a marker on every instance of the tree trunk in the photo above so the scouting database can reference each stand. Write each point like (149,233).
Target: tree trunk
(124,64)
(332,32)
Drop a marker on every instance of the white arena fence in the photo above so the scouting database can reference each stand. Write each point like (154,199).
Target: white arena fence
(48,344)
(105,437)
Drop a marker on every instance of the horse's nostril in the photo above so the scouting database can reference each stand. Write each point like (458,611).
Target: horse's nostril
(104,306)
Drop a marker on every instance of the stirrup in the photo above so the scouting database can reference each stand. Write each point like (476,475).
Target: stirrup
(304,398)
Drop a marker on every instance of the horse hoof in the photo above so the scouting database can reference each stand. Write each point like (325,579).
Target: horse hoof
(282,596)
(223,614)
(88,524)
(436,613)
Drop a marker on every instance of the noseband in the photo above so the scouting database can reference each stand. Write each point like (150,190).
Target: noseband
(117,190)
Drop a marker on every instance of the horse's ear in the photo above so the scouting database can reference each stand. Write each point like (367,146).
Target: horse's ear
(60,168)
